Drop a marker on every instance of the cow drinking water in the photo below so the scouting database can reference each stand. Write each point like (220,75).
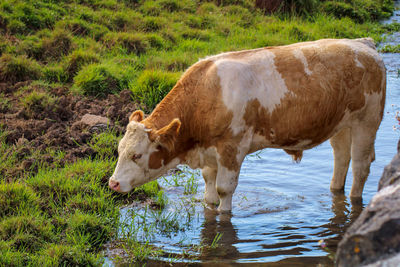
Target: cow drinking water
(226,106)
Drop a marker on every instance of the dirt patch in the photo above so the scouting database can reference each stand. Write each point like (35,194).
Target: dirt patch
(34,131)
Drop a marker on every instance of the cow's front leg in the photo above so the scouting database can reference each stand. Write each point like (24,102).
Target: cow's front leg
(226,183)
(210,192)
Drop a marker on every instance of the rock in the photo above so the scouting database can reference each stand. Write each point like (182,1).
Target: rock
(374,238)
(391,173)
(390,262)
(93,120)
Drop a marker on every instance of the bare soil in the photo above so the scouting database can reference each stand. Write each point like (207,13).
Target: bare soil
(33,133)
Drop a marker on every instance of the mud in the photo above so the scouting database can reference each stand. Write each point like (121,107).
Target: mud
(35,133)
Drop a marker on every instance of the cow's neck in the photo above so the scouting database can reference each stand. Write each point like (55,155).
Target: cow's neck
(177,104)
(168,109)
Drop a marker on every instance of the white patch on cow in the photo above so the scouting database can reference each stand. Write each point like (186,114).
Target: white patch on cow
(252,77)
(358,63)
(298,53)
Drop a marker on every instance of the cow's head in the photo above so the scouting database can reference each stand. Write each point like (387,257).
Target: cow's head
(143,153)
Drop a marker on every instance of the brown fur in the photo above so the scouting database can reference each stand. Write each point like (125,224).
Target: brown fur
(137,116)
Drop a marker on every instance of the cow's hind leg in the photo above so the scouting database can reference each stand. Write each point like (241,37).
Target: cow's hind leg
(341,144)
(362,154)
(210,192)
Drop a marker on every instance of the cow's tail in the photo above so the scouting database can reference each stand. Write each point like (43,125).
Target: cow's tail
(368,41)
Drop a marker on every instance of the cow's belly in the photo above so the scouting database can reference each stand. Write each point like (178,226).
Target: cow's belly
(289,140)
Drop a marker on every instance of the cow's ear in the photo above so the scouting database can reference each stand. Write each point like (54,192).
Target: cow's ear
(166,136)
(137,116)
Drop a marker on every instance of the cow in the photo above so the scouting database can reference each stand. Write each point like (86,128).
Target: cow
(226,106)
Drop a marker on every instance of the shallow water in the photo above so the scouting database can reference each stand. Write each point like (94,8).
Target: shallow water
(281,210)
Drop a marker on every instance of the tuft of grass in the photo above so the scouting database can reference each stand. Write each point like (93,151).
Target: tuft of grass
(56,74)
(133,42)
(172,62)
(66,255)
(83,28)
(151,8)
(19,229)
(16,198)
(88,231)
(202,35)
(18,68)
(37,102)
(105,144)
(152,24)
(102,79)
(32,47)
(57,45)
(152,86)
(78,59)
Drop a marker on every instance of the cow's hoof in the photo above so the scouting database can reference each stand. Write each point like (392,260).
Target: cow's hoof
(211,199)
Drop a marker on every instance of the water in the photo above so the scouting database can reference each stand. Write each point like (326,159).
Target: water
(281,210)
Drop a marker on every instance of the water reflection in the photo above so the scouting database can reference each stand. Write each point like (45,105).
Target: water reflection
(344,215)
(286,240)
(213,225)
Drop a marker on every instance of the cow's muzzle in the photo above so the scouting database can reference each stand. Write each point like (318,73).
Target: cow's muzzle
(114,185)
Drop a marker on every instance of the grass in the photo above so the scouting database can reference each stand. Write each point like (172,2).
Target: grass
(152,86)
(390,49)
(62,214)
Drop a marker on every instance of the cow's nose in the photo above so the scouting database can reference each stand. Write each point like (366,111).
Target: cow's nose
(114,185)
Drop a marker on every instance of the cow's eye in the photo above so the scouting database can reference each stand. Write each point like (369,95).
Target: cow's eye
(136,156)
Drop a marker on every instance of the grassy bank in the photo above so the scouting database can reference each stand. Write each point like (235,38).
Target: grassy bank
(55,207)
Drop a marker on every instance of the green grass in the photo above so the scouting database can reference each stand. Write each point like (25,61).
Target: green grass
(64,214)
(60,42)
(152,86)
(390,49)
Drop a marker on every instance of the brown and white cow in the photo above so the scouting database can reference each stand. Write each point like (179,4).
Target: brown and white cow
(226,106)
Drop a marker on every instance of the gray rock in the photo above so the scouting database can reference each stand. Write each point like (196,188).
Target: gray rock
(93,120)
(391,173)
(390,262)
(374,238)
